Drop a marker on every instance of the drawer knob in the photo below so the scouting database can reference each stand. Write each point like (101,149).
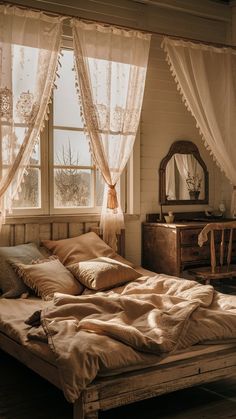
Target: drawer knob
(195,253)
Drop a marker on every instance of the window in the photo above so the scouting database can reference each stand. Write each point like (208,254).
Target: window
(76,182)
(61,177)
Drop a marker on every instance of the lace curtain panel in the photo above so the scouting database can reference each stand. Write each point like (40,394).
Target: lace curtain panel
(29,49)
(111,66)
(205,77)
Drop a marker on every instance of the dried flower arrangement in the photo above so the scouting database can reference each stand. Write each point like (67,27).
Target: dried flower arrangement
(193,182)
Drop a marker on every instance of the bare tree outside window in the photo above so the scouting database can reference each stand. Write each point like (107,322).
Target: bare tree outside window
(72,184)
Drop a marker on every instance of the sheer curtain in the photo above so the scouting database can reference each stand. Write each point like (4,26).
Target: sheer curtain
(171,180)
(111,68)
(184,166)
(205,76)
(29,49)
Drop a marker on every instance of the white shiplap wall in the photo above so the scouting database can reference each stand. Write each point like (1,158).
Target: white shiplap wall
(164,117)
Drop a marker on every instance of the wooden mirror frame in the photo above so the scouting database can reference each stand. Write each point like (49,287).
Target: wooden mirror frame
(181,147)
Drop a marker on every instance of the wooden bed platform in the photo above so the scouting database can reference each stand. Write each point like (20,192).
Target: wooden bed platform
(110,392)
(113,391)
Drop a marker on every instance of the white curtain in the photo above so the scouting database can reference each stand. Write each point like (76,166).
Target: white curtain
(111,68)
(171,180)
(29,48)
(184,166)
(205,76)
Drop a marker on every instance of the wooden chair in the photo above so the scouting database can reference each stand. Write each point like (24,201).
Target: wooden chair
(221,241)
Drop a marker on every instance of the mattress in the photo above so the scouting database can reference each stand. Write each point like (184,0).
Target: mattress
(14,312)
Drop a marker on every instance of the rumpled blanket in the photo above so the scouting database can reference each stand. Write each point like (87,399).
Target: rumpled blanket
(131,327)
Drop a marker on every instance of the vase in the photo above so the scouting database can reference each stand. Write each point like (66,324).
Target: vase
(169,218)
(194,194)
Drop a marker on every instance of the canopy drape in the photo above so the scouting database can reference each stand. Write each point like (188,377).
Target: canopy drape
(29,49)
(111,66)
(205,76)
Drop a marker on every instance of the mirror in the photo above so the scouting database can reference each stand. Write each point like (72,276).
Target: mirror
(183,176)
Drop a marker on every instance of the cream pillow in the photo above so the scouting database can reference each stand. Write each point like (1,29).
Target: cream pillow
(84,247)
(103,273)
(48,276)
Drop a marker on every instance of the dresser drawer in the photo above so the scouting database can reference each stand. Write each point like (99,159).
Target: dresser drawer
(191,254)
(189,236)
(188,254)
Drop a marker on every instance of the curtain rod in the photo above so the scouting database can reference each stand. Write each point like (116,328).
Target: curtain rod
(151,32)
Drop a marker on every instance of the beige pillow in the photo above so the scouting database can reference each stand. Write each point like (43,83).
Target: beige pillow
(77,249)
(103,273)
(48,276)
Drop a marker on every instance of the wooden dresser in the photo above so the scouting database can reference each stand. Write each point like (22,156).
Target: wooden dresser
(171,248)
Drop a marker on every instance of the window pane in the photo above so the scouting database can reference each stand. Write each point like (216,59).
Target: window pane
(66,106)
(35,157)
(72,188)
(71,148)
(29,195)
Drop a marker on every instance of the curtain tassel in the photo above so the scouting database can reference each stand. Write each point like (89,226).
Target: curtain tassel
(112,201)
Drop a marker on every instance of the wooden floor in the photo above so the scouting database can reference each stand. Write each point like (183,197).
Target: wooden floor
(24,395)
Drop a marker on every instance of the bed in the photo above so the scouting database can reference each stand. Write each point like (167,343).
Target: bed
(184,368)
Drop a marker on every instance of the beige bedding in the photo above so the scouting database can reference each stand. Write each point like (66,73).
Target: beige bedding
(13,313)
(134,326)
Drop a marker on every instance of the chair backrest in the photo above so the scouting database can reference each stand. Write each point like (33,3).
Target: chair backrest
(223,239)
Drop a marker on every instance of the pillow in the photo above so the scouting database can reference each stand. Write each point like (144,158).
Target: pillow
(10,285)
(48,276)
(103,273)
(77,249)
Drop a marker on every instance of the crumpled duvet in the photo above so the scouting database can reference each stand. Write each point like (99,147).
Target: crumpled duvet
(132,326)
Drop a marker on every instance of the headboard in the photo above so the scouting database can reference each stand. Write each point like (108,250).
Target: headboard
(19,230)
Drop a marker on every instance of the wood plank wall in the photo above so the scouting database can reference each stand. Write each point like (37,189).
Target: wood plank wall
(35,229)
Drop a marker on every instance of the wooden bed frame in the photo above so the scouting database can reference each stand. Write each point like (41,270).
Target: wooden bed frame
(110,392)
